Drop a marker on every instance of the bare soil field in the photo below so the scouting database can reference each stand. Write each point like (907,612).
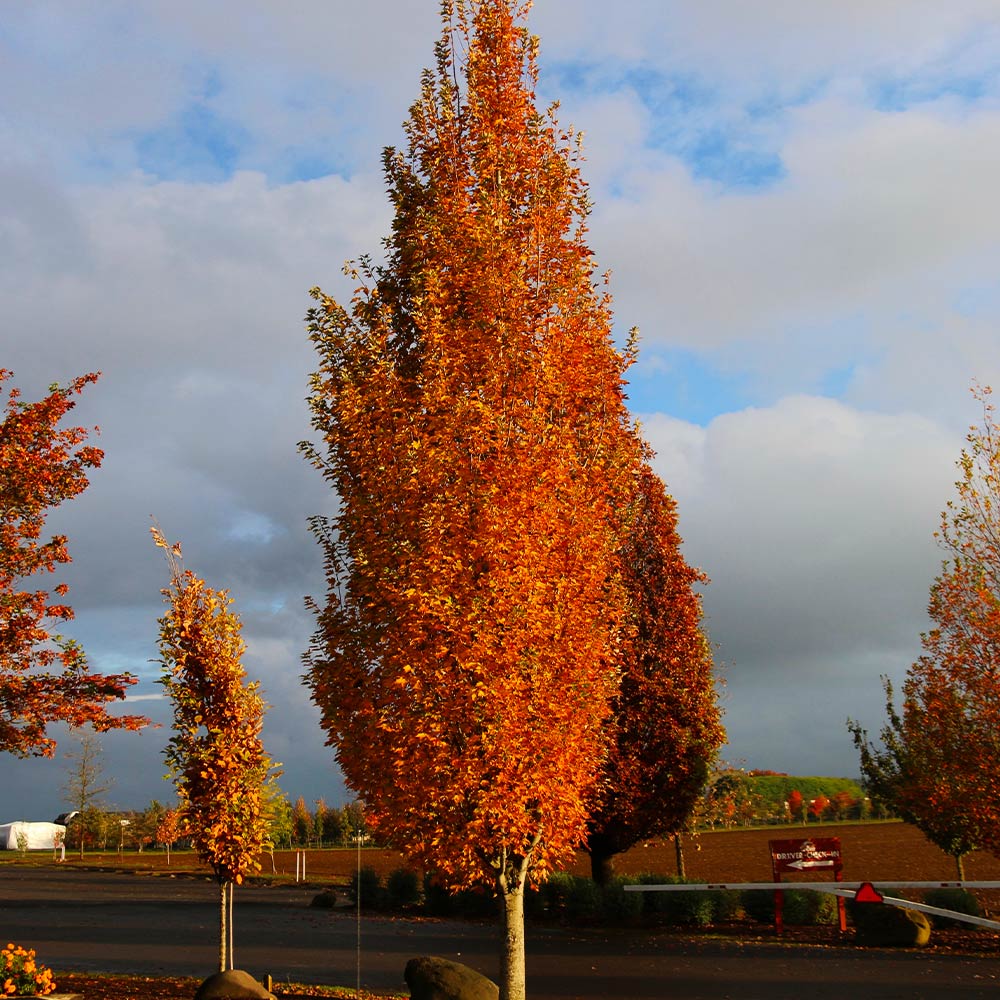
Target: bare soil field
(870,851)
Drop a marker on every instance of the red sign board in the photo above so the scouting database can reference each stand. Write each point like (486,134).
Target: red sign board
(815,856)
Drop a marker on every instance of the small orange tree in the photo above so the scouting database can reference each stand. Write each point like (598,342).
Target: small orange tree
(473,425)
(42,465)
(665,730)
(168,830)
(939,767)
(216,754)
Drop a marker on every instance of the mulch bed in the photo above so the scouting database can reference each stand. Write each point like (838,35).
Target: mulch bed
(100,987)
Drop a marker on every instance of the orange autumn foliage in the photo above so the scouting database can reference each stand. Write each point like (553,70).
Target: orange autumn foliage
(216,754)
(666,729)
(470,405)
(951,697)
(41,466)
(939,766)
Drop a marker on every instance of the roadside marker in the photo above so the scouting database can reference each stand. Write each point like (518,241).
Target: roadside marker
(868,894)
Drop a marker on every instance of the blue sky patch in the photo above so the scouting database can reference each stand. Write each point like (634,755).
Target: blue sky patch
(685,385)
(730,144)
(198,145)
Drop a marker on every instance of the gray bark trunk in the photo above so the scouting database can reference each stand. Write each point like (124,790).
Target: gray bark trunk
(229,923)
(222,926)
(510,889)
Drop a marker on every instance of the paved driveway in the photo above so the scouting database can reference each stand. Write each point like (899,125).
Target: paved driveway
(108,922)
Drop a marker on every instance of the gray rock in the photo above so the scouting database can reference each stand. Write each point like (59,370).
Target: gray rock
(433,978)
(232,985)
(879,925)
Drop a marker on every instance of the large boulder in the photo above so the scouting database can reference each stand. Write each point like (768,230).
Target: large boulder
(233,984)
(879,925)
(433,978)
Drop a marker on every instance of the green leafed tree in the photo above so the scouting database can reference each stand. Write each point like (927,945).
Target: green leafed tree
(471,418)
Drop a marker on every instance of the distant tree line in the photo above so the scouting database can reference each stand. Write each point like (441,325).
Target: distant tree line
(97,828)
(734,798)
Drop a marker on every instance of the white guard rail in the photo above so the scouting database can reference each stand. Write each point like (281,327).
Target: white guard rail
(847,889)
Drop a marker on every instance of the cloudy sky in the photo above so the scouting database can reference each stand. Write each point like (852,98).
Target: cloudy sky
(797,202)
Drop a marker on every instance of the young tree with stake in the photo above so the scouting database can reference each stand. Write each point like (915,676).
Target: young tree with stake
(216,754)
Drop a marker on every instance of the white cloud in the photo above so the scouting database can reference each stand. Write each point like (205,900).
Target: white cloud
(867,262)
(814,522)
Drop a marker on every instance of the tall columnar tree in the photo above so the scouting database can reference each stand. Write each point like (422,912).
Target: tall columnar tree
(42,465)
(665,730)
(472,419)
(216,754)
(940,763)
(302,824)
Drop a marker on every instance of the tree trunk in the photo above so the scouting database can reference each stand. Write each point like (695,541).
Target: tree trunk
(602,866)
(229,923)
(679,851)
(960,866)
(223,937)
(510,889)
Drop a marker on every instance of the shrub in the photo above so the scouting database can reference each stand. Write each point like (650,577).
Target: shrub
(696,907)
(959,900)
(370,886)
(475,903)
(727,905)
(584,899)
(801,906)
(555,893)
(758,904)
(438,901)
(403,887)
(618,906)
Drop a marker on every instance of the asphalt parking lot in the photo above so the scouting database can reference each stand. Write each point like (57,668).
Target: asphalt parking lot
(154,925)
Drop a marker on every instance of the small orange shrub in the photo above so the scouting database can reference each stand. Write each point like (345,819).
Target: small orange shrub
(21,975)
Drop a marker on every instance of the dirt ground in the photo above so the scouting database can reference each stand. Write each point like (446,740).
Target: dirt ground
(870,851)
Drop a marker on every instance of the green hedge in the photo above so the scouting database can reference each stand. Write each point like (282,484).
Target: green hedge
(801,906)
(959,900)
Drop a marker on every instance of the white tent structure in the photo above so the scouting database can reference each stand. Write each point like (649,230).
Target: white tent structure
(34,836)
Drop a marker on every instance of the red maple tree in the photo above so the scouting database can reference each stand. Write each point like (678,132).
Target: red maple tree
(795,804)
(42,465)
(474,428)
(665,730)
